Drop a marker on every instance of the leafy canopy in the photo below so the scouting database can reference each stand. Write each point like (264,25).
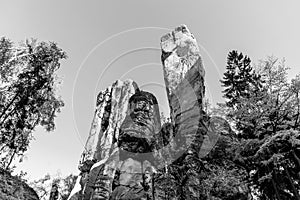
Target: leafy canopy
(265,110)
(27,93)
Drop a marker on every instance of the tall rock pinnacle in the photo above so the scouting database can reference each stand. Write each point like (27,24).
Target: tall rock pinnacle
(184,79)
(180,53)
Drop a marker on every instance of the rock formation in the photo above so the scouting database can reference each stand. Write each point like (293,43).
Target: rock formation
(184,78)
(129,155)
(136,143)
(100,157)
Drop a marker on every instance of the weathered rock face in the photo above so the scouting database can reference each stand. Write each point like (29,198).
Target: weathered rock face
(11,188)
(125,124)
(141,124)
(127,151)
(180,52)
(137,137)
(101,146)
(184,78)
(111,108)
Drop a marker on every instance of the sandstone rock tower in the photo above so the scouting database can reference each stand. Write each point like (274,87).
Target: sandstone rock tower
(125,155)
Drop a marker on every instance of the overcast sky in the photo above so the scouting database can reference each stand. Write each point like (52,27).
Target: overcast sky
(113,40)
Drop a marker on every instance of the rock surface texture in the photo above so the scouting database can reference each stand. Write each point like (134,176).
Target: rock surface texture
(184,79)
(101,154)
(129,154)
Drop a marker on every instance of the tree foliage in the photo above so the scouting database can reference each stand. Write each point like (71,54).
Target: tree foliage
(223,177)
(239,79)
(61,185)
(267,120)
(27,93)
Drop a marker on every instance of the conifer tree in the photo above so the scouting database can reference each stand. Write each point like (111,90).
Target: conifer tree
(267,120)
(240,79)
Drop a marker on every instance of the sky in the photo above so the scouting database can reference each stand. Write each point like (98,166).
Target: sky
(109,40)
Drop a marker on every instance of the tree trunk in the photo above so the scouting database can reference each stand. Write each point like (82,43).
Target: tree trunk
(7,107)
(296,159)
(11,159)
(54,194)
(295,192)
(298,111)
(275,188)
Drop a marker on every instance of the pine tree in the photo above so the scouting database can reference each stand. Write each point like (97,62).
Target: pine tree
(240,79)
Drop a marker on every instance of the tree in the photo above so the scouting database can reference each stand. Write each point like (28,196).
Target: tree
(67,185)
(42,186)
(27,93)
(239,79)
(276,172)
(272,108)
(267,120)
(61,187)
(223,177)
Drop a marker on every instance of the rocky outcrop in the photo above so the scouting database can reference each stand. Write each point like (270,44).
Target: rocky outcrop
(125,125)
(184,79)
(101,146)
(129,154)
(111,108)
(12,188)
(137,141)
(141,124)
